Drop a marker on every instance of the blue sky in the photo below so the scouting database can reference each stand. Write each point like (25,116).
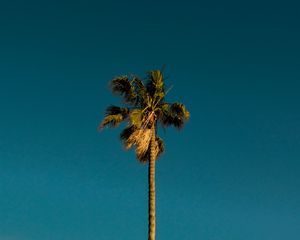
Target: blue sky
(232,173)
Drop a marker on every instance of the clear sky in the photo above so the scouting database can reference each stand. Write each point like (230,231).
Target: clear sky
(233,173)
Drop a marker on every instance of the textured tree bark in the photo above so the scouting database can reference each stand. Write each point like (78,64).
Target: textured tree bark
(151,190)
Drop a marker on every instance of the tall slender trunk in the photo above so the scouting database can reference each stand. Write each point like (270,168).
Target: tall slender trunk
(151,190)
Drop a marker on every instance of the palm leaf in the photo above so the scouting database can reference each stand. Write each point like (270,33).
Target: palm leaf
(179,110)
(159,149)
(136,117)
(142,96)
(155,85)
(123,86)
(139,138)
(126,133)
(174,114)
(113,110)
(111,121)
(114,115)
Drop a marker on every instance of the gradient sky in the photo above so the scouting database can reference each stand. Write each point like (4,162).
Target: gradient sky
(233,173)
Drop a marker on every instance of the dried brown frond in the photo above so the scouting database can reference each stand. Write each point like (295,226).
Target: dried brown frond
(140,138)
(159,147)
(143,143)
(158,150)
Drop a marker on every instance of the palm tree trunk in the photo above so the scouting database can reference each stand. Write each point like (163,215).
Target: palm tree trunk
(151,193)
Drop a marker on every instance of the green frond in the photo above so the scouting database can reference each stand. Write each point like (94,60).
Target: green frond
(111,121)
(113,110)
(142,96)
(155,85)
(180,111)
(163,108)
(174,114)
(123,86)
(136,117)
(114,115)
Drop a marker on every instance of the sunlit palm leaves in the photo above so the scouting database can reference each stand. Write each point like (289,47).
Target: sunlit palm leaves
(174,114)
(155,85)
(114,116)
(123,86)
(146,108)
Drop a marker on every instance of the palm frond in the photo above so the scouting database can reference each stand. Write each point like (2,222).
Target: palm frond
(159,149)
(143,144)
(144,158)
(123,86)
(174,114)
(126,133)
(111,121)
(155,85)
(141,139)
(180,111)
(113,110)
(136,117)
(114,115)
(142,96)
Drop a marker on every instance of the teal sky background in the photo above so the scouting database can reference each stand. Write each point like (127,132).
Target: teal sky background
(233,173)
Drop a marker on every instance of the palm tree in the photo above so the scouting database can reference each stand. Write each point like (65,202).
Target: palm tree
(144,110)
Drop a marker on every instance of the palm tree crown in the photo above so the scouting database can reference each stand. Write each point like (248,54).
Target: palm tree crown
(144,109)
